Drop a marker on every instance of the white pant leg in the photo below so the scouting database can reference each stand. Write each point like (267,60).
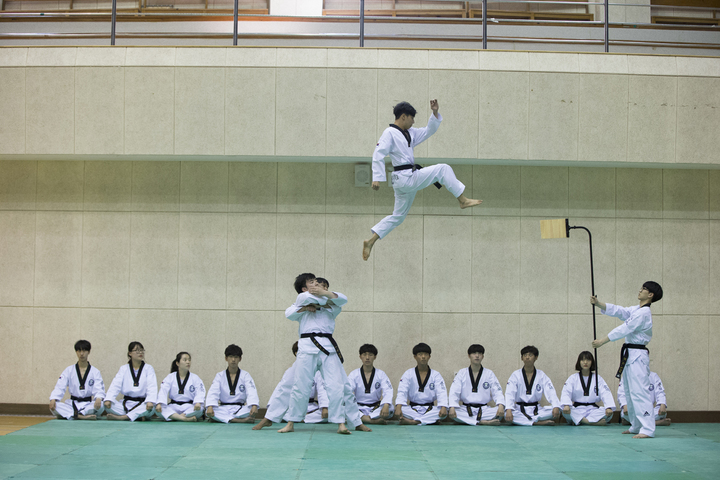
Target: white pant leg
(188,409)
(65,409)
(315,416)
(305,367)
(352,410)
(425,177)
(376,413)
(279,402)
(659,417)
(544,413)
(403,202)
(425,415)
(224,413)
(335,380)
(636,379)
(463,417)
(593,414)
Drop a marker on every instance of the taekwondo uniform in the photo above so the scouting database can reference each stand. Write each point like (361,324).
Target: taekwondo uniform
(183,395)
(657,395)
(371,395)
(137,388)
(83,392)
(579,393)
(475,394)
(634,368)
(232,399)
(421,396)
(407,178)
(317,401)
(317,350)
(523,395)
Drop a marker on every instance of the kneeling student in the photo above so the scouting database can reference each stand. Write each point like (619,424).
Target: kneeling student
(579,397)
(137,382)
(475,387)
(657,394)
(424,389)
(184,389)
(525,389)
(372,388)
(86,388)
(232,396)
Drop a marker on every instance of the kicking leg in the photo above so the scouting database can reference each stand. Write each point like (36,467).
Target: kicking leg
(468,202)
(368,245)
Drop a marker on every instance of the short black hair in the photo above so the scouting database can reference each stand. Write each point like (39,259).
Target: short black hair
(530,349)
(301,281)
(476,348)
(233,350)
(81,345)
(295,348)
(323,281)
(585,356)
(368,348)
(404,108)
(422,348)
(655,289)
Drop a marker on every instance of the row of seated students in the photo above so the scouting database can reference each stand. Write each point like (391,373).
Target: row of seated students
(422,397)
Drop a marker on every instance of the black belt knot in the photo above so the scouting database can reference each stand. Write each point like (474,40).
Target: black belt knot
(312,336)
(479,406)
(180,403)
(625,353)
(132,399)
(583,404)
(413,167)
(372,405)
(74,399)
(528,404)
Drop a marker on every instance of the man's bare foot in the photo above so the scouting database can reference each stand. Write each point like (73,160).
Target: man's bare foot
(493,422)
(290,427)
(111,416)
(407,421)
(363,428)
(665,422)
(243,420)
(628,432)
(376,421)
(468,202)
(342,429)
(600,422)
(367,248)
(545,423)
(88,417)
(641,435)
(263,423)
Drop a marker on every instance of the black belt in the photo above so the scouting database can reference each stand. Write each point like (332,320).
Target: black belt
(132,399)
(479,406)
(625,352)
(329,336)
(373,405)
(180,403)
(74,399)
(528,404)
(240,404)
(312,400)
(414,167)
(581,404)
(429,405)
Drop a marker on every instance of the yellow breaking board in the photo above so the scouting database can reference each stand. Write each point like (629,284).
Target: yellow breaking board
(553,228)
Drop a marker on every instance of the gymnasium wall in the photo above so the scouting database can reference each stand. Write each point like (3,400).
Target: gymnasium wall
(174,204)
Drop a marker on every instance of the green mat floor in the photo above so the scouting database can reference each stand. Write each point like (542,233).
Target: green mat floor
(119,450)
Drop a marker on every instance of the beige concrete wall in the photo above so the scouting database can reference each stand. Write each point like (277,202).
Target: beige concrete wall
(196,255)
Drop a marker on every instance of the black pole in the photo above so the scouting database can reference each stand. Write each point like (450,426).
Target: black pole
(607,28)
(484,24)
(235,22)
(362,23)
(592,286)
(113,20)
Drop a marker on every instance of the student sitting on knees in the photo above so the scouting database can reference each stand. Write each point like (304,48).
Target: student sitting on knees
(184,389)
(137,382)
(579,396)
(86,388)
(657,393)
(525,389)
(423,389)
(232,396)
(372,388)
(475,387)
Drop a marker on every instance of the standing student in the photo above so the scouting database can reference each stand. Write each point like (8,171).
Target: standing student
(372,388)
(232,397)
(185,391)
(634,356)
(657,393)
(475,387)
(525,388)
(398,142)
(579,398)
(421,392)
(137,383)
(85,385)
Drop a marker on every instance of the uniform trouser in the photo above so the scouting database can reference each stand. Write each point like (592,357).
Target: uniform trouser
(407,183)
(636,380)
(488,413)
(337,385)
(225,413)
(544,413)
(65,409)
(187,408)
(137,409)
(658,416)
(374,413)
(425,415)
(593,414)
(314,414)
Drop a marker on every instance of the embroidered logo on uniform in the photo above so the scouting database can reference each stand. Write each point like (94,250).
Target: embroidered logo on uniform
(91,382)
(538,387)
(486,385)
(377,385)
(652,387)
(646,414)
(192,388)
(242,388)
(432,386)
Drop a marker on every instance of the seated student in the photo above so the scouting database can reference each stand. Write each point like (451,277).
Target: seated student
(137,382)
(232,397)
(372,388)
(525,389)
(475,387)
(86,388)
(657,394)
(277,407)
(184,389)
(423,389)
(579,398)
